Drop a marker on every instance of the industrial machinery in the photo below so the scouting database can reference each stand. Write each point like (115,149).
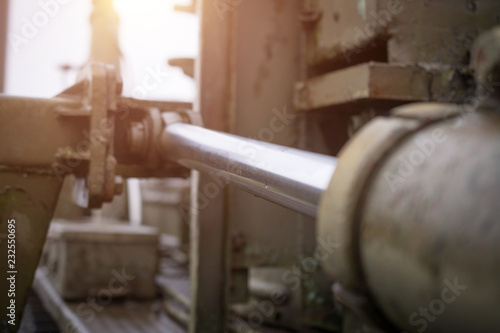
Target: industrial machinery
(404,221)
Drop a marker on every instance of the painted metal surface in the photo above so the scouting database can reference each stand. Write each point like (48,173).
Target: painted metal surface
(448,246)
(268,61)
(210,231)
(267,66)
(335,32)
(21,120)
(405,240)
(425,35)
(381,81)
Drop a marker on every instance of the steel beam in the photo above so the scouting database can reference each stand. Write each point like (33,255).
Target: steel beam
(32,130)
(210,227)
(378,81)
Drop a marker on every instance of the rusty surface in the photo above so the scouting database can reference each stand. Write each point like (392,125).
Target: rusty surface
(356,163)
(102,163)
(82,131)
(401,238)
(449,241)
(32,131)
(379,81)
(409,31)
(210,233)
(423,34)
(266,66)
(339,204)
(267,69)
(65,134)
(339,31)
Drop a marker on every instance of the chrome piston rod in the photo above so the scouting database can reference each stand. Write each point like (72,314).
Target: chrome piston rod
(288,177)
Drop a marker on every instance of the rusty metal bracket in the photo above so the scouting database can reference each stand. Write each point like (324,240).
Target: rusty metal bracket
(83,131)
(97,87)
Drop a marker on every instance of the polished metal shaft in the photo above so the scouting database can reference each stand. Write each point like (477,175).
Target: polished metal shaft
(289,177)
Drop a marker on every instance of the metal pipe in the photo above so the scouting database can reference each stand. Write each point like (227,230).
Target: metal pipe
(289,177)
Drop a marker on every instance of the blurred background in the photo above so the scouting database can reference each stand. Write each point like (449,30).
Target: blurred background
(150,33)
(50,41)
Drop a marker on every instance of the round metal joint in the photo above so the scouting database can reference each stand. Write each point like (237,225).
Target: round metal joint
(413,206)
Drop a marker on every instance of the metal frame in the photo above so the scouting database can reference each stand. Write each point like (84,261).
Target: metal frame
(210,231)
